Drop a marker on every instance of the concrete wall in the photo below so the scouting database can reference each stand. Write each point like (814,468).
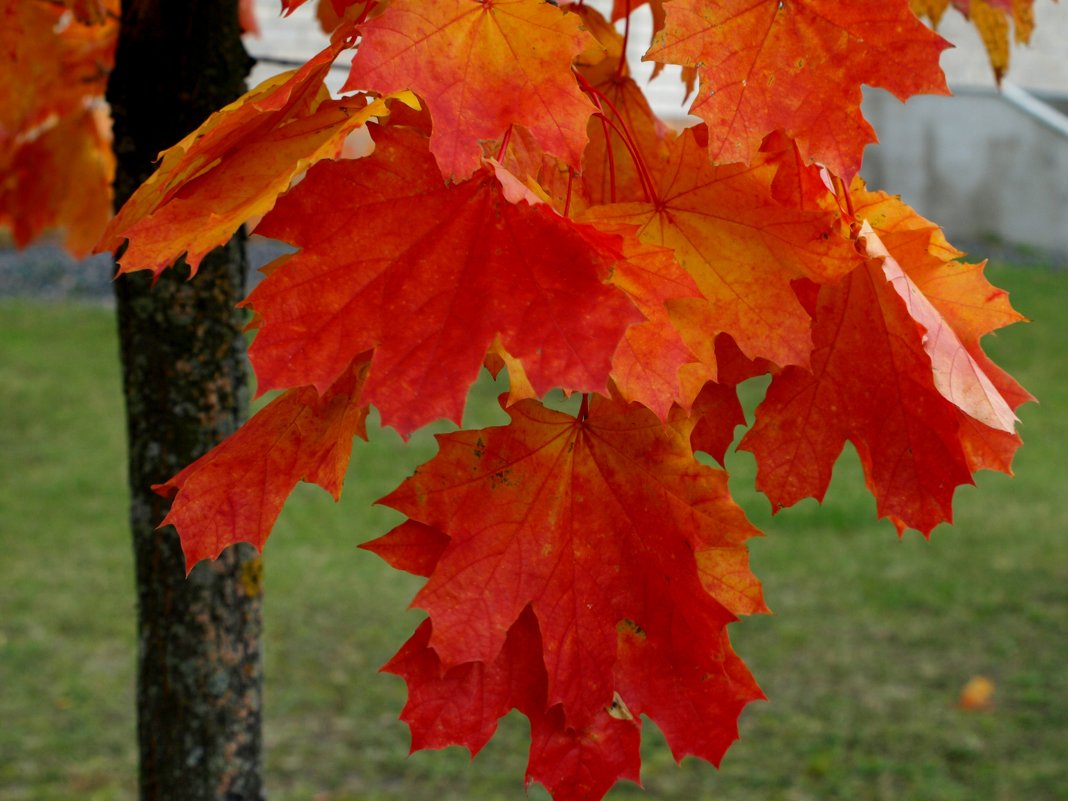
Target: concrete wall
(979,163)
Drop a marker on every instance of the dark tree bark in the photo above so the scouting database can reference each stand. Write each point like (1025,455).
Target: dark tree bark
(183,357)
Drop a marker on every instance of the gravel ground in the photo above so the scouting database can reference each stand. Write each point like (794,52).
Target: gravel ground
(47,271)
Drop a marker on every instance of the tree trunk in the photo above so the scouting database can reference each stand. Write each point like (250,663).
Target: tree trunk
(183,356)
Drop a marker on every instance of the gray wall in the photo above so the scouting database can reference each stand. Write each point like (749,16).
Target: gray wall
(980,163)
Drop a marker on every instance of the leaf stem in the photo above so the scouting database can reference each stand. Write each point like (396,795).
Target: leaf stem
(600,100)
(584,407)
(347,30)
(504,144)
(843,195)
(632,146)
(567,200)
(626,38)
(611,157)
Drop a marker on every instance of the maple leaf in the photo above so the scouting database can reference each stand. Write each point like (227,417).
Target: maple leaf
(428,275)
(621,9)
(234,492)
(629,552)
(461,706)
(234,166)
(652,364)
(91,12)
(891,375)
(718,412)
(647,366)
(330,13)
(59,67)
(412,547)
(992,23)
(964,299)
(957,376)
(543,174)
(75,151)
(796,183)
(742,248)
(870,383)
(797,66)
(54,131)
(481,67)
(958,290)
(992,19)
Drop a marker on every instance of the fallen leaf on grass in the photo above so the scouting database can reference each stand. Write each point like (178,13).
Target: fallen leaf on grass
(977,695)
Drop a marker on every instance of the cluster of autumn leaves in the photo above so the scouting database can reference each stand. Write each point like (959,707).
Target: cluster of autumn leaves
(53,121)
(54,126)
(524,210)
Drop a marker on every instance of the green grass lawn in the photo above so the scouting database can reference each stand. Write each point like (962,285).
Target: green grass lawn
(863,661)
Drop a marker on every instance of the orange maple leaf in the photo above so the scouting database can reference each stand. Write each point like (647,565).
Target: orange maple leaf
(960,291)
(234,166)
(797,67)
(53,68)
(647,366)
(36,196)
(481,67)
(742,247)
(957,376)
(992,20)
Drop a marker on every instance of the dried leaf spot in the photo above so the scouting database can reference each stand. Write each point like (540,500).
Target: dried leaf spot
(630,628)
(501,479)
(618,709)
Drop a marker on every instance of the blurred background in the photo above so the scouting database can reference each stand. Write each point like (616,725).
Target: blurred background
(908,669)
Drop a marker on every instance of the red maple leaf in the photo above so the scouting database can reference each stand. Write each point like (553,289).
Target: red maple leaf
(481,67)
(870,382)
(652,365)
(628,551)
(462,704)
(964,300)
(798,67)
(428,275)
(957,375)
(235,491)
(886,375)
